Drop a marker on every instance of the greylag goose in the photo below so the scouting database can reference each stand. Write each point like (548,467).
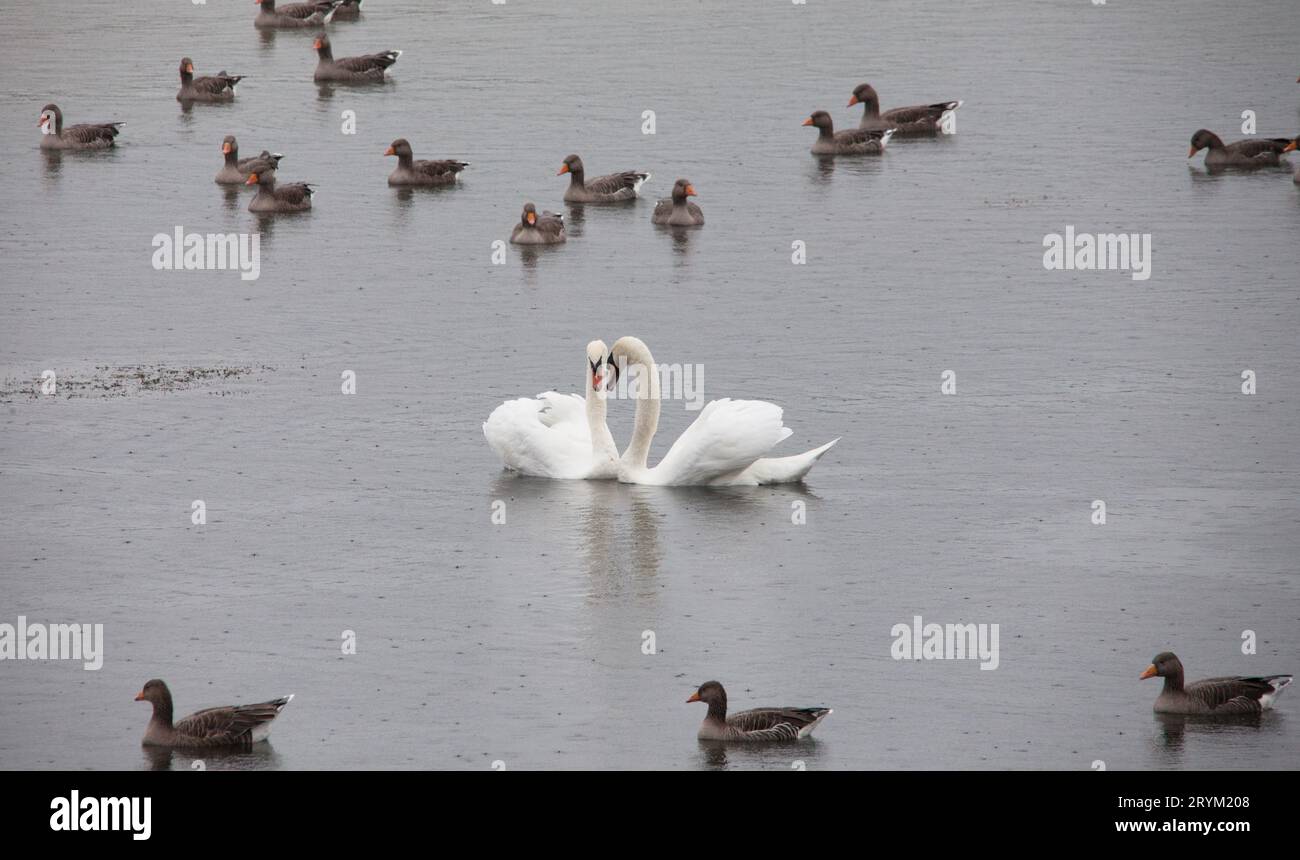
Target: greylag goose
(857,141)
(412,172)
(677,211)
(368,68)
(85,136)
(348,10)
(236,170)
(615,188)
(294,197)
(546,229)
(232,726)
(216,88)
(1213,695)
(1249,154)
(311,14)
(916,119)
(759,724)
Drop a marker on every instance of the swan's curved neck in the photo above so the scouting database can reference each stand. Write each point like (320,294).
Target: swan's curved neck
(647,407)
(602,440)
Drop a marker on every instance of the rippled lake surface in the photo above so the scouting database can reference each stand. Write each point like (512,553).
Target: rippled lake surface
(522,642)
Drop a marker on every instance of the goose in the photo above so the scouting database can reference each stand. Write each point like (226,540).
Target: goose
(294,15)
(85,136)
(238,726)
(615,188)
(1248,154)
(916,119)
(534,229)
(556,435)
(236,170)
(1212,695)
(367,68)
(677,211)
(858,141)
(348,10)
(724,446)
(1291,147)
(294,197)
(216,88)
(759,724)
(412,172)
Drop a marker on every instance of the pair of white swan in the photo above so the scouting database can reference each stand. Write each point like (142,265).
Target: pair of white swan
(566,436)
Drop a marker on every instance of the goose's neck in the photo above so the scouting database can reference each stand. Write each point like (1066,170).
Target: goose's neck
(406,160)
(326,53)
(717,712)
(826,132)
(646,421)
(1174,681)
(871,109)
(162,712)
(186,77)
(232,157)
(576,178)
(679,203)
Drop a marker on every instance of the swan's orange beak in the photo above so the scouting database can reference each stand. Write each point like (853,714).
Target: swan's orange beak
(808,121)
(389,151)
(1149,673)
(1290,147)
(316,44)
(1191,152)
(690,191)
(853,100)
(189,68)
(532,217)
(225,148)
(695,697)
(139,697)
(251,180)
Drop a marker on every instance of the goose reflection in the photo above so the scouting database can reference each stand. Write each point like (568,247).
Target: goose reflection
(261,757)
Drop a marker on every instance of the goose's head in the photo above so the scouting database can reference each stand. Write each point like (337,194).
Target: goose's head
(187,66)
(322,43)
(1291,147)
(711,694)
(1162,665)
(229,144)
(400,147)
(599,376)
(1201,140)
(529,218)
(819,119)
(572,164)
(154,691)
(864,94)
(49,121)
(256,178)
(682,189)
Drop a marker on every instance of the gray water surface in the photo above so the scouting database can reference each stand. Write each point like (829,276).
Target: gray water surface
(521,643)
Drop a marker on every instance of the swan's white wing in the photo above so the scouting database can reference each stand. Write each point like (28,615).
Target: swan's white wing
(546,437)
(728,436)
(778,470)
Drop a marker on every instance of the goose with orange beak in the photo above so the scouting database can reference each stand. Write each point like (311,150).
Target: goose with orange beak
(1216,696)
(101,135)
(365,69)
(272,198)
(759,724)
(856,141)
(678,211)
(534,229)
(411,172)
(294,15)
(614,188)
(913,120)
(236,170)
(1242,154)
(232,727)
(214,88)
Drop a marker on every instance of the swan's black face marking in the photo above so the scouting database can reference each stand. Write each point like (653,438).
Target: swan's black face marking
(601,378)
(610,362)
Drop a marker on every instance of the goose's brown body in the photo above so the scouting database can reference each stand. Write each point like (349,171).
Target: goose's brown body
(678,211)
(235,726)
(365,69)
(293,15)
(271,198)
(912,120)
(614,188)
(84,136)
(419,172)
(1219,696)
(1241,154)
(236,170)
(534,229)
(214,88)
(758,724)
(857,141)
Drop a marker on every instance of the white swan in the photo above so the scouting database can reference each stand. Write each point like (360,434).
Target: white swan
(724,446)
(554,436)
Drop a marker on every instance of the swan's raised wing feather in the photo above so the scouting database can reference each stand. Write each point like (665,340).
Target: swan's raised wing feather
(546,437)
(728,436)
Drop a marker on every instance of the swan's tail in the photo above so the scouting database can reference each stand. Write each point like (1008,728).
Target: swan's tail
(786,470)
